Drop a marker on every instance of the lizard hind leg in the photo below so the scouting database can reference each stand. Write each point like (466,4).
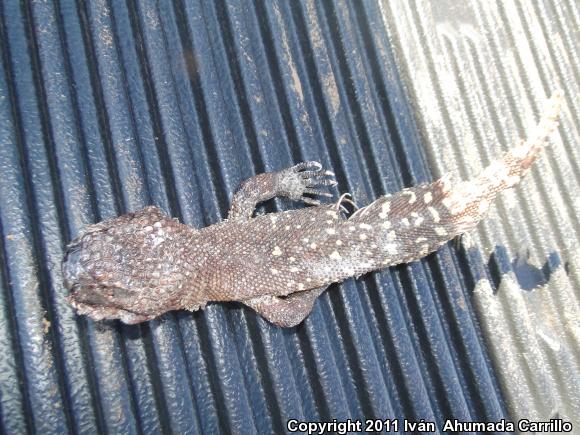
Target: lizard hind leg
(285,312)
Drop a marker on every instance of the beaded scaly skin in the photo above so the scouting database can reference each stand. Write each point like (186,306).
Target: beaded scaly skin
(141,265)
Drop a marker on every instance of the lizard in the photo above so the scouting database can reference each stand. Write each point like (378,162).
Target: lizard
(140,265)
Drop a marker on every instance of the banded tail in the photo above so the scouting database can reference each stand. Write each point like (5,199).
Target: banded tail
(416,221)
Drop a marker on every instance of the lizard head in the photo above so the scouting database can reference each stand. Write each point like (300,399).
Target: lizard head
(131,268)
(91,297)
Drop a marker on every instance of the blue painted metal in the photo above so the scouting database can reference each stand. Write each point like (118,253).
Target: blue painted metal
(106,107)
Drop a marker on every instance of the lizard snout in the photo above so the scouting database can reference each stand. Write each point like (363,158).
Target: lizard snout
(71,266)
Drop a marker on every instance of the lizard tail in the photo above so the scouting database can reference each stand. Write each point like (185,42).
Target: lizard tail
(469,201)
(416,221)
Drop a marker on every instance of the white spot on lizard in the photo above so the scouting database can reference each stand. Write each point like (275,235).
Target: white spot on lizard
(412,196)
(335,255)
(434,213)
(386,207)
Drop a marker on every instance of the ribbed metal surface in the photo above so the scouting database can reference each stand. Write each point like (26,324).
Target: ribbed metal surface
(106,107)
(479,73)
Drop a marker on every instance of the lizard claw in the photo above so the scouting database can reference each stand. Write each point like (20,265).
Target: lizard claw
(307,178)
(310,201)
(306,165)
(318,192)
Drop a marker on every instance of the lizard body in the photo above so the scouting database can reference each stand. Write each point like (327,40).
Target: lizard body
(141,265)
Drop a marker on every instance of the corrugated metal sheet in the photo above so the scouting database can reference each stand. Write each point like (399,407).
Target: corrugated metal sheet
(479,73)
(109,106)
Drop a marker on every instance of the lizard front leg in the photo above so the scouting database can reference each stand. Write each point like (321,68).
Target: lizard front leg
(295,183)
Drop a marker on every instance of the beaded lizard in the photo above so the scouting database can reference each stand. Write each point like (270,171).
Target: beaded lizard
(140,265)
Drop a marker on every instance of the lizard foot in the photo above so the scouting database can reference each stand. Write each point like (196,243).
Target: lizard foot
(285,312)
(305,180)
